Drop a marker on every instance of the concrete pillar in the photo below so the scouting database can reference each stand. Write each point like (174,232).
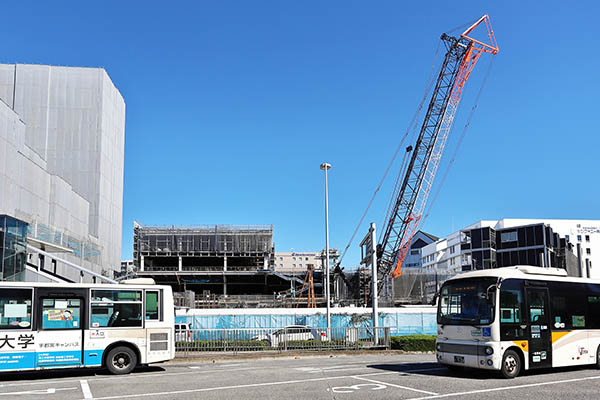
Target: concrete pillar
(582,269)
(266,262)
(588,271)
(141,263)
(180,263)
(225,285)
(225,263)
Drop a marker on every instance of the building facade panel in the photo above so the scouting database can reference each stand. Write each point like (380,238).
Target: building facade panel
(297,262)
(568,244)
(64,134)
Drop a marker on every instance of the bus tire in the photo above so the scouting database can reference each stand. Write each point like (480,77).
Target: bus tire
(511,364)
(121,360)
(598,358)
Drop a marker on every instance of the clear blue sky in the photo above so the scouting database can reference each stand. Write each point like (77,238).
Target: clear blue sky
(232,106)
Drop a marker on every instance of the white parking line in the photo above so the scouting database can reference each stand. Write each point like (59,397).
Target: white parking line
(37,392)
(122,377)
(394,385)
(250,385)
(335,368)
(499,389)
(218,366)
(85,388)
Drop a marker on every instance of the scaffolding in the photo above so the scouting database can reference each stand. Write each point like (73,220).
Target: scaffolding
(203,239)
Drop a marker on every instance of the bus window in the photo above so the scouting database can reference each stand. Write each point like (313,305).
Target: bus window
(594,312)
(511,310)
(116,308)
(536,307)
(510,306)
(560,312)
(569,306)
(15,308)
(152,305)
(61,313)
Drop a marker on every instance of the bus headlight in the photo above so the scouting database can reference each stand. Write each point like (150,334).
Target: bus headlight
(489,351)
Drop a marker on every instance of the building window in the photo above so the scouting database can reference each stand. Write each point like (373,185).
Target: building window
(452,250)
(588,251)
(299,265)
(294,265)
(305,258)
(280,265)
(508,237)
(587,238)
(414,252)
(579,238)
(294,258)
(280,258)
(452,261)
(567,237)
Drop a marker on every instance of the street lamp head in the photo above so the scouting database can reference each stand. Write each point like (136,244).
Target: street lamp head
(325,166)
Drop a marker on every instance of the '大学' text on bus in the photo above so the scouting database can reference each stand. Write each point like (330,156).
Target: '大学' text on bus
(50,325)
(515,318)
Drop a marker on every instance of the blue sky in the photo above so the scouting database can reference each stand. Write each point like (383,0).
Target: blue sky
(232,106)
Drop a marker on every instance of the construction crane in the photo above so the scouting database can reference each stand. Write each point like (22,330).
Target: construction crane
(407,208)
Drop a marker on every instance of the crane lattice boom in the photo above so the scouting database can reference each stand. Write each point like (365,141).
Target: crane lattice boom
(461,56)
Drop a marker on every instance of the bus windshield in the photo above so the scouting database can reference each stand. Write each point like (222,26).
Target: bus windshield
(465,302)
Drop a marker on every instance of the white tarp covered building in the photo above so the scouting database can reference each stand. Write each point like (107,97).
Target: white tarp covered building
(62,133)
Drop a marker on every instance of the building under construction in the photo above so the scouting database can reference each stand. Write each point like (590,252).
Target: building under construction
(218,263)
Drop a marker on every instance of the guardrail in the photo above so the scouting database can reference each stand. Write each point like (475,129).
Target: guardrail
(191,341)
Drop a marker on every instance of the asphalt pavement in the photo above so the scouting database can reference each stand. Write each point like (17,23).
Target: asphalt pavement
(373,376)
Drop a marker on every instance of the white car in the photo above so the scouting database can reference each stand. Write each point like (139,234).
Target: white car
(290,333)
(182,332)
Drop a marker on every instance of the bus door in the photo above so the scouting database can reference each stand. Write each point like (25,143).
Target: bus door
(538,332)
(61,316)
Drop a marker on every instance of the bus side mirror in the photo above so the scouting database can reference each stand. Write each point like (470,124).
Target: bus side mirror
(490,293)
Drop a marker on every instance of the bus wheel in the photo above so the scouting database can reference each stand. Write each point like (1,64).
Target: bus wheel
(121,360)
(511,364)
(598,358)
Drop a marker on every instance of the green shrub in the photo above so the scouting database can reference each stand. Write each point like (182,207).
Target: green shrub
(413,343)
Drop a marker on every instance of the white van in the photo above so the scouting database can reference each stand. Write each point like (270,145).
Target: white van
(183,332)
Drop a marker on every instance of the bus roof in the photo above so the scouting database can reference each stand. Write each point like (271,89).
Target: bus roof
(524,272)
(114,286)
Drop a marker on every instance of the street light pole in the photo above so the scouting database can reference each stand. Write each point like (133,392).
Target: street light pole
(325,167)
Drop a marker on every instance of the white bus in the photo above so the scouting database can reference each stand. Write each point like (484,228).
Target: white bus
(514,318)
(52,325)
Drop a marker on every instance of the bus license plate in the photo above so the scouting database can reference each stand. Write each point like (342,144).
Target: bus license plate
(459,359)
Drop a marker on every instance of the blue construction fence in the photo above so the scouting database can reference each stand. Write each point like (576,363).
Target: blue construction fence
(400,321)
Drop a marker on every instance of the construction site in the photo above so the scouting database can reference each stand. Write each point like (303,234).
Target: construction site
(216,265)
(218,262)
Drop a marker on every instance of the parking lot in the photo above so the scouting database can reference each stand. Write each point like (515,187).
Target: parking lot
(376,376)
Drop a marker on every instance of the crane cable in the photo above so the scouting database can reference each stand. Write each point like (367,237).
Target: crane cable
(410,126)
(460,140)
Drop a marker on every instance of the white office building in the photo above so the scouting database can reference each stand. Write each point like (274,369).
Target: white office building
(62,132)
(570,244)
